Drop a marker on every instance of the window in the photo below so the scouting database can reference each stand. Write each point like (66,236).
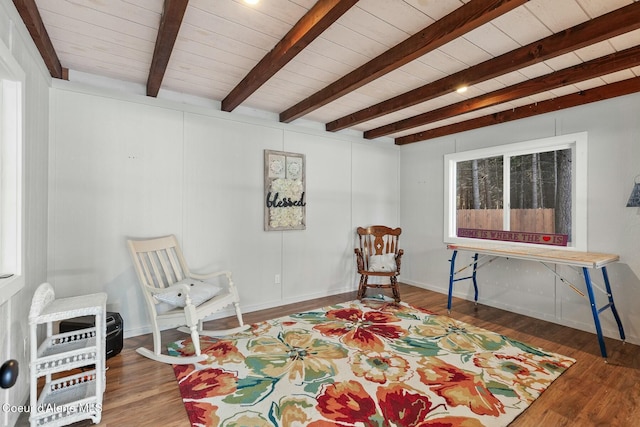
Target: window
(535,188)
(11,78)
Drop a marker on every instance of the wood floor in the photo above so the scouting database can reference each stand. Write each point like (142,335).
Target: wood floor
(141,392)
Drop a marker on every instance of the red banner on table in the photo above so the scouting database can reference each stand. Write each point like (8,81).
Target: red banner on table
(515,236)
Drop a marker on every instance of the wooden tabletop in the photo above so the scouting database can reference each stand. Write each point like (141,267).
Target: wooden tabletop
(537,253)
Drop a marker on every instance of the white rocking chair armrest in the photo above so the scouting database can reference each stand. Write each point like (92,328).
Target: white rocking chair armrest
(211,275)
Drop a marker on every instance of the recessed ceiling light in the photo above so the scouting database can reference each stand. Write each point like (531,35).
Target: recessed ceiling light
(462,89)
(251,1)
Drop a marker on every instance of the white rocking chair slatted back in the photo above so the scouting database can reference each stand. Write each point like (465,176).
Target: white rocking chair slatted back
(162,266)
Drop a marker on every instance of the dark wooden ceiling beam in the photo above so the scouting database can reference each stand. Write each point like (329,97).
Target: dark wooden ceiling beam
(320,17)
(593,31)
(167,34)
(587,70)
(457,23)
(600,93)
(33,21)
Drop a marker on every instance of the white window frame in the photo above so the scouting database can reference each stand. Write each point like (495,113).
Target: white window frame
(12,80)
(577,141)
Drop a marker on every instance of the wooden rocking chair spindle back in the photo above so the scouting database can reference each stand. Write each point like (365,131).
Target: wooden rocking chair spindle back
(378,255)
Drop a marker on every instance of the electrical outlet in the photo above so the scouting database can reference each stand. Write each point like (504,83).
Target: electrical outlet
(276,279)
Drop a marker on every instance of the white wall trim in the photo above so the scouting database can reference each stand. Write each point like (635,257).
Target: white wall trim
(209,111)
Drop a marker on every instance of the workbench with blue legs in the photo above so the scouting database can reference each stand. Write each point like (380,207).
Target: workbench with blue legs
(485,253)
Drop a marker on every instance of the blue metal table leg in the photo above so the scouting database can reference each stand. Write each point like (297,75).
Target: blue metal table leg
(473,276)
(605,275)
(594,310)
(451,275)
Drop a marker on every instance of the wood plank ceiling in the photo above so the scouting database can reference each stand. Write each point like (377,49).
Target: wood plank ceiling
(387,68)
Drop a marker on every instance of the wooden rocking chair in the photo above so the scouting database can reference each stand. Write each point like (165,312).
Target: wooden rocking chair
(379,256)
(176,297)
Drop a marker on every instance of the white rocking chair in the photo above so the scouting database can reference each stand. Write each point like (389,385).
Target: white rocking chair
(176,297)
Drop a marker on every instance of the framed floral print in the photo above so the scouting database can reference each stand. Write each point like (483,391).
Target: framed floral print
(284,191)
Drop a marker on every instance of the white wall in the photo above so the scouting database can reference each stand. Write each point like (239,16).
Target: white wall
(13,314)
(131,166)
(128,166)
(526,287)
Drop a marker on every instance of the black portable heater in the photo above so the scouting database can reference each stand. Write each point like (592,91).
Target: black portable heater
(114,341)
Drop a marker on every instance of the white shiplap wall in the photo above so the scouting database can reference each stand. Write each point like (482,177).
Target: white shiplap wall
(132,166)
(526,287)
(13,314)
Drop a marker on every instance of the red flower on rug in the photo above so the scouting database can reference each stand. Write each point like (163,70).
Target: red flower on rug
(219,351)
(528,377)
(459,387)
(361,364)
(350,404)
(361,330)
(183,371)
(404,407)
(347,402)
(208,383)
(202,413)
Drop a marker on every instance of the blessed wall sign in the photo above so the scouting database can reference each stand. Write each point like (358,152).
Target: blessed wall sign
(284,191)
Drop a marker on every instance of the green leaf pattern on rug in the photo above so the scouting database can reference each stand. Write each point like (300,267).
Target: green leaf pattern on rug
(458,337)
(364,364)
(524,347)
(294,355)
(251,390)
(291,410)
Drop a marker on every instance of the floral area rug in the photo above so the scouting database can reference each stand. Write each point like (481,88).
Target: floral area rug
(363,364)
